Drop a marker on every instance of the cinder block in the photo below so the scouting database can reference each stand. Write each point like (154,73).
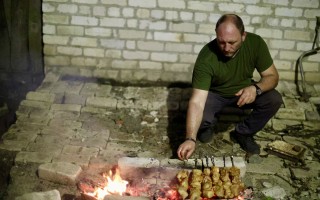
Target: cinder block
(60,172)
(48,195)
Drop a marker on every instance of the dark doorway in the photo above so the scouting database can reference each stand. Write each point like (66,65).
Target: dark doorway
(21,58)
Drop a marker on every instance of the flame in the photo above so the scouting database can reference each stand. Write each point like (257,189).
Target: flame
(114,184)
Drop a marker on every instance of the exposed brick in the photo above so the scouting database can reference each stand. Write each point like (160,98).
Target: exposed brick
(178,4)
(288,12)
(257,10)
(55,19)
(101,102)
(70,30)
(142,3)
(201,6)
(67,8)
(59,172)
(46,195)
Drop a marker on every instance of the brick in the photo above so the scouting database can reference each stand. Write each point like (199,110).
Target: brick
(281,64)
(277,2)
(132,55)
(297,35)
(258,10)
(186,15)
(13,145)
(57,60)
(85,21)
(46,195)
(101,102)
(113,43)
(70,30)
(311,13)
(179,47)
(115,2)
(201,6)
(177,67)
(93,2)
(66,107)
(84,41)
(114,12)
(33,157)
(166,57)
(36,104)
(80,61)
(157,14)
(150,65)
(269,33)
(281,124)
(177,4)
(99,11)
(112,22)
(142,3)
(150,45)
(49,29)
(294,114)
(171,15)
(50,39)
(166,36)
(200,17)
(100,32)
(73,51)
(182,27)
(289,55)
(305,4)
(312,77)
(119,64)
(132,34)
(67,8)
(38,96)
(198,38)
(79,160)
(157,25)
(47,7)
(94,52)
(288,12)
(143,13)
(231,7)
(128,12)
(55,19)
(282,44)
(60,172)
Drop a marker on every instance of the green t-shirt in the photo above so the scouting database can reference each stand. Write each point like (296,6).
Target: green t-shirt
(226,76)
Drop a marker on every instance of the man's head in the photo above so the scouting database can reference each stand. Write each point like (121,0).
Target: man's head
(230,34)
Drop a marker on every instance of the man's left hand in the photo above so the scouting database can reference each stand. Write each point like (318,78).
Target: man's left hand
(247,95)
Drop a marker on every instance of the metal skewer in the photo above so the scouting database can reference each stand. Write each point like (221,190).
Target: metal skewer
(212,160)
(231,157)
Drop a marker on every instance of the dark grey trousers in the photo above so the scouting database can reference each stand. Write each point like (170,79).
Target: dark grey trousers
(263,109)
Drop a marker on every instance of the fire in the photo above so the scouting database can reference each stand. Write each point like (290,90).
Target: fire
(113,184)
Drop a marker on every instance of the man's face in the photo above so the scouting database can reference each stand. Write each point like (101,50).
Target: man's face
(229,39)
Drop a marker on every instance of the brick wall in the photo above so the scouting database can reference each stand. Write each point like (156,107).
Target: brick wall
(158,40)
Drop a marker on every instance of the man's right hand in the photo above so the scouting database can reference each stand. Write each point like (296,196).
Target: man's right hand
(186,149)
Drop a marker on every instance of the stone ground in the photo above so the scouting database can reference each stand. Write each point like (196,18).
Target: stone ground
(92,123)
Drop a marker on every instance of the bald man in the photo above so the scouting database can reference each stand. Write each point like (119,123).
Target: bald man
(222,76)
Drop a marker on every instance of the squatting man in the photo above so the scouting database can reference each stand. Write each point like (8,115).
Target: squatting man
(222,76)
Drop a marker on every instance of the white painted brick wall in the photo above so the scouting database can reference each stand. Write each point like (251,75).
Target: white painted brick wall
(151,40)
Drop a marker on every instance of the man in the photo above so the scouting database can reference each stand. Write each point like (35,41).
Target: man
(222,77)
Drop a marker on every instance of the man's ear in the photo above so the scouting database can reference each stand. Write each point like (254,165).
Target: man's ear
(243,37)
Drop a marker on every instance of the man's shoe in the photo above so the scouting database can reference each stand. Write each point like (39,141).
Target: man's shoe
(205,135)
(246,142)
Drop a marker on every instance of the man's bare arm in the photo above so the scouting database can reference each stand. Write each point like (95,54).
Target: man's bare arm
(195,112)
(269,79)
(194,118)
